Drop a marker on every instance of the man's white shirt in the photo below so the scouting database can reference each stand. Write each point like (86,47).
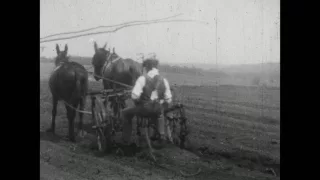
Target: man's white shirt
(141,82)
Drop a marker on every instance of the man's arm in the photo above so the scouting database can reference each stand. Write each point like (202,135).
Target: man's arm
(167,94)
(138,88)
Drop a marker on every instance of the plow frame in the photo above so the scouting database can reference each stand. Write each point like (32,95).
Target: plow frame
(106,123)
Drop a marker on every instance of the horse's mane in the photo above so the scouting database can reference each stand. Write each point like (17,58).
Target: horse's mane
(67,58)
(64,60)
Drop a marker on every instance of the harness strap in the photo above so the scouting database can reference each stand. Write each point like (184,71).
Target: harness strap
(107,63)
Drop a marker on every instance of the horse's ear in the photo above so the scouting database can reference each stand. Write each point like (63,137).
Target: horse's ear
(66,48)
(95,47)
(57,49)
(105,45)
(113,51)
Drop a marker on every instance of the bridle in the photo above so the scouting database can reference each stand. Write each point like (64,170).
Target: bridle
(107,63)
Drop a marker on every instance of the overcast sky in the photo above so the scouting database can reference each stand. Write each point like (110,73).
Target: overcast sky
(248,30)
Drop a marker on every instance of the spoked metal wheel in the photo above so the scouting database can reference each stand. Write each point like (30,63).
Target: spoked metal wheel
(101,127)
(177,125)
(99,133)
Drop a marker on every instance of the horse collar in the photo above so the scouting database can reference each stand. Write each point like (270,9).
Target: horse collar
(107,63)
(58,66)
(108,57)
(116,59)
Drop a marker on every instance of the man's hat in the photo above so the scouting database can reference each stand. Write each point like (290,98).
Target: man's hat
(150,63)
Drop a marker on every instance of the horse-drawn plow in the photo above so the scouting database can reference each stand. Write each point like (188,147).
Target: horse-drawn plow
(107,121)
(118,77)
(106,106)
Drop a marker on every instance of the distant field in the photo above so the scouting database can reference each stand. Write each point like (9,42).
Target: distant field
(178,78)
(174,78)
(237,126)
(238,75)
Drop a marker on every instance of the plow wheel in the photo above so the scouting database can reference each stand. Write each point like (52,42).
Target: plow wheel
(102,128)
(177,126)
(183,135)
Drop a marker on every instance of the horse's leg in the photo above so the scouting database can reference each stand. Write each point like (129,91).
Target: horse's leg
(71,113)
(53,114)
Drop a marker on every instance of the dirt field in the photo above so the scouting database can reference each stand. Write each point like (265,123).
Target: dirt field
(233,136)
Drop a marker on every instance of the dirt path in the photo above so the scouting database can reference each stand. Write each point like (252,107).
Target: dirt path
(60,159)
(60,162)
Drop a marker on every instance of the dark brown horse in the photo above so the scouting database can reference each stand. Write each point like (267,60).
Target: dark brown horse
(69,83)
(110,65)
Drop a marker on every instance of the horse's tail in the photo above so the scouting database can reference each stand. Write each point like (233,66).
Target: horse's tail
(81,85)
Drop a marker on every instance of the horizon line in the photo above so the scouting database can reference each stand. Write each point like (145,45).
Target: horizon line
(164,62)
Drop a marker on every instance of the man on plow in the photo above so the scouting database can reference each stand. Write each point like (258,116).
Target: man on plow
(151,95)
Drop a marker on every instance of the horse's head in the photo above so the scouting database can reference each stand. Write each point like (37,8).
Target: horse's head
(99,59)
(61,55)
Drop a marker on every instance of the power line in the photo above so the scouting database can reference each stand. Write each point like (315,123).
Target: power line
(111,31)
(122,24)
